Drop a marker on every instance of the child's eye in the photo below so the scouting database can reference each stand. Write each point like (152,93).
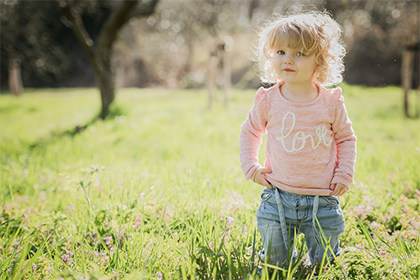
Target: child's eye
(300,54)
(281,52)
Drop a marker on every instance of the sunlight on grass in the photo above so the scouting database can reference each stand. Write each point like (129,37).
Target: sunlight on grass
(156,191)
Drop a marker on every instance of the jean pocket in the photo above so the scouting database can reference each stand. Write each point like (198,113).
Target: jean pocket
(331,200)
(266,194)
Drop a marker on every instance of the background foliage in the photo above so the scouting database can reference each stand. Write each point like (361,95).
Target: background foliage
(173,46)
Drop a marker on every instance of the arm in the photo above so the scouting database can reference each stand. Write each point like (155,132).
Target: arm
(346,148)
(250,140)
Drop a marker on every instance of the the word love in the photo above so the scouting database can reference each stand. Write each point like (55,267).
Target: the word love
(300,138)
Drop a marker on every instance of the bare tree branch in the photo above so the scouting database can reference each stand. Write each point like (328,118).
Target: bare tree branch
(145,9)
(127,10)
(79,30)
(100,53)
(117,20)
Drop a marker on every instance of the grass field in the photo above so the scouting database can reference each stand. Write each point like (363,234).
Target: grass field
(156,191)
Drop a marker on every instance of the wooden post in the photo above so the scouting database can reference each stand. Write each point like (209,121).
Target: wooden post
(15,77)
(407,77)
(220,61)
(211,78)
(227,69)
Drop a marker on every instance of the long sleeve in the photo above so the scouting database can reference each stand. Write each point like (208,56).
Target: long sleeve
(346,144)
(309,146)
(251,135)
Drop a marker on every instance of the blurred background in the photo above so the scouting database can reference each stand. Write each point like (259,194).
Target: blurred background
(177,43)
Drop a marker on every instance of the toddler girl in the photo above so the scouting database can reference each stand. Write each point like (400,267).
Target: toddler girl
(310,143)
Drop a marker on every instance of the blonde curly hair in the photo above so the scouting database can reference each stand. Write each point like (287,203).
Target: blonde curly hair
(315,33)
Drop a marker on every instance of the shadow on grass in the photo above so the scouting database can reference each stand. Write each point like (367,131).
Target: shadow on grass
(114,112)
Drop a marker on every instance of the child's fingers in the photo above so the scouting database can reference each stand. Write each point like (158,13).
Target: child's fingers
(339,190)
(259,179)
(264,170)
(262,181)
(335,191)
(266,184)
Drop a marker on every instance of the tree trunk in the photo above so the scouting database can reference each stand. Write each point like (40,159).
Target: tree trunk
(105,75)
(15,77)
(100,54)
(106,86)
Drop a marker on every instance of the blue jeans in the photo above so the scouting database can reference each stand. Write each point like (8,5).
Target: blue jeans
(283,215)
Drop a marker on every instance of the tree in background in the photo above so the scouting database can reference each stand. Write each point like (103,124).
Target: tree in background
(100,52)
(28,43)
(172,47)
(376,33)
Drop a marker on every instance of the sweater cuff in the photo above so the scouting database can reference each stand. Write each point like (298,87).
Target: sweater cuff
(341,180)
(251,172)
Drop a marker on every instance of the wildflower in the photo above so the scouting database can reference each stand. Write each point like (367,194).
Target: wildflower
(67,257)
(175,236)
(17,244)
(245,230)
(417,193)
(362,211)
(375,226)
(382,251)
(67,245)
(168,213)
(248,251)
(159,275)
(229,221)
(121,235)
(105,258)
(108,241)
(92,238)
(396,234)
(225,236)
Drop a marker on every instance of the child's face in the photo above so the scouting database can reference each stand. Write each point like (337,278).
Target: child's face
(293,65)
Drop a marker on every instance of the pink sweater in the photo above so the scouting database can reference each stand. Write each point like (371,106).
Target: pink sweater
(309,146)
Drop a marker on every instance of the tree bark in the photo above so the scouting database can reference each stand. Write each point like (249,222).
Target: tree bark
(100,56)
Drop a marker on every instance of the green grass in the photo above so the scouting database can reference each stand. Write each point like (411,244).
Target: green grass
(156,191)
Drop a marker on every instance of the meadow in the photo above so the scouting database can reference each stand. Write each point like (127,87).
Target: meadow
(156,191)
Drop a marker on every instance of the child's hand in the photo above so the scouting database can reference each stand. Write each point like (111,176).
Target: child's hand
(259,176)
(339,189)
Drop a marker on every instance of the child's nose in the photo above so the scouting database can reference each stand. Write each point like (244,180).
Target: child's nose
(288,59)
